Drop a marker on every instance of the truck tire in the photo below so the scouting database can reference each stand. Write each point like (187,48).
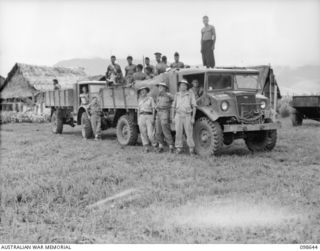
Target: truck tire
(261,140)
(208,137)
(296,118)
(57,121)
(86,128)
(127,131)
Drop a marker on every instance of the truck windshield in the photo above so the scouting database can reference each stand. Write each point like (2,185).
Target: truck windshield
(246,81)
(219,82)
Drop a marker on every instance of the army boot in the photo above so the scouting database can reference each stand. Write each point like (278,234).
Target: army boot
(191,151)
(160,148)
(179,150)
(145,149)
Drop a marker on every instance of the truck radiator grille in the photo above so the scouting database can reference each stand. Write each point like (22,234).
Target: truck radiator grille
(248,109)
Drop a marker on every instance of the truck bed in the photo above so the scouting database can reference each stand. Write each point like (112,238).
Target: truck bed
(308,106)
(59,98)
(306,101)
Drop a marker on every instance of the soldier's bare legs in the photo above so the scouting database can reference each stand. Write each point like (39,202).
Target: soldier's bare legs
(146,131)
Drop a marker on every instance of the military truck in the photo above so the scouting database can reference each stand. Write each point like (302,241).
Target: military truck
(305,107)
(230,108)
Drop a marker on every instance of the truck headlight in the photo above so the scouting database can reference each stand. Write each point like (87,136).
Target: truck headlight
(224,105)
(263,104)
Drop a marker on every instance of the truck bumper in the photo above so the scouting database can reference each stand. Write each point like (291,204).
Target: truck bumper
(248,127)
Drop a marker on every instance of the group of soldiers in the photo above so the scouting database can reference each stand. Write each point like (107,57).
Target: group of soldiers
(155,116)
(134,72)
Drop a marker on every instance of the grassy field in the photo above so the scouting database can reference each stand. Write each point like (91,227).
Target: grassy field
(49,184)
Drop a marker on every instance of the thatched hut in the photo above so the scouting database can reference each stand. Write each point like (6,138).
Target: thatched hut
(2,79)
(25,84)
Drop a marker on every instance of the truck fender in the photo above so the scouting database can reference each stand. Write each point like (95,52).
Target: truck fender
(209,112)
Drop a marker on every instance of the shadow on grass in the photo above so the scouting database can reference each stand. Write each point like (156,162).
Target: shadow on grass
(104,135)
(239,151)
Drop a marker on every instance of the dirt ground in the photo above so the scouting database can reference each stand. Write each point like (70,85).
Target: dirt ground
(57,189)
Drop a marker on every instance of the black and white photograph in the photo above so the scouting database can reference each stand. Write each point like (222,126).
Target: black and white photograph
(159,122)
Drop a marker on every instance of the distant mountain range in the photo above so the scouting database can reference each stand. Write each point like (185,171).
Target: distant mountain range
(297,80)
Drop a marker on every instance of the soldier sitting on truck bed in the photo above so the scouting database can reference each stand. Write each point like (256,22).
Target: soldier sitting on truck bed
(177,64)
(158,67)
(139,75)
(114,73)
(130,70)
(149,72)
(56,85)
(147,64)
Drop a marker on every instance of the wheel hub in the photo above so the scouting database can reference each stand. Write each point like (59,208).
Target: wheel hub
(124,131)
(204,136)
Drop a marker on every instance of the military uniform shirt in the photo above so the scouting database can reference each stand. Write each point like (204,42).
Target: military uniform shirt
(197,92)
(95,108)
(164,101)
(178,65)
(146,104)
(184,102)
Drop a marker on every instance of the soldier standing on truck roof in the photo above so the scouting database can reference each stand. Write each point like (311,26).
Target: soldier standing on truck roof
(146,113)
(177,64)
(184,107)
(114,73)
(95,117)
(208,40)
(56,85)
(139,75)
(163,106)
(130,70)
(147,62)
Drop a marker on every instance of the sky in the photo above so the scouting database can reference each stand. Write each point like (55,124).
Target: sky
(249,32)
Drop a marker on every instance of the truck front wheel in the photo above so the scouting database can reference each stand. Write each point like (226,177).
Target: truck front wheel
(127,131)
(261,140)
(57,121)
(86,128)
(208,137)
